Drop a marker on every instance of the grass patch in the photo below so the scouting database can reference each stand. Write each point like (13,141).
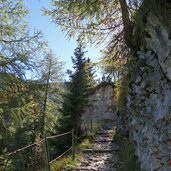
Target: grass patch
(112,133)
(66,163)
(84,145)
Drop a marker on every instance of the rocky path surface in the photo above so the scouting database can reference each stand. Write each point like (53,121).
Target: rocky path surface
(104,156)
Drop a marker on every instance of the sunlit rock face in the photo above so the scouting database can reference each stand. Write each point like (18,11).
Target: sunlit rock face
(149,100)
(159,43)
(100,107)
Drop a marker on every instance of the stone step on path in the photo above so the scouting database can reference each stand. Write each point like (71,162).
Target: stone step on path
(104,156)
(98,151)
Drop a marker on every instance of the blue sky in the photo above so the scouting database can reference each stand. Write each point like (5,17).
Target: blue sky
(60,45)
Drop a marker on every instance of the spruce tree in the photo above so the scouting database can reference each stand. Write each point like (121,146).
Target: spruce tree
(76,99)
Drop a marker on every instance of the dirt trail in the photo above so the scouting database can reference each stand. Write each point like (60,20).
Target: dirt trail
(104,156)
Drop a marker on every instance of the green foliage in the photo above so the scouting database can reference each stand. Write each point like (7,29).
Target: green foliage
(21,126)
(66,163)
(139,28)
(79,87)
(101,22)
(120,25)
(93,20)
(49,68)
(75,99)
(84,17)
(129,157)
(21,120)
(127,153)
(85,144)
(18,47)
(49,71)
(121,92)
(112,66)
(20,100)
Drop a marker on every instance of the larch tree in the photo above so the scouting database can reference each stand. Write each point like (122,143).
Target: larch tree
(18,49)
(98,21)
(50,76)
(17,46)
(117,23)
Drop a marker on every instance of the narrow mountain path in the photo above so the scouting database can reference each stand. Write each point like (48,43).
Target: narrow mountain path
(104,155)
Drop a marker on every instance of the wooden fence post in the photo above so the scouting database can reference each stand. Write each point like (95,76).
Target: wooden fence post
(73,145)
(47,159)
(47,153)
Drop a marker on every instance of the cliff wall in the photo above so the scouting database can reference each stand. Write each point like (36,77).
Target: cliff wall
(149,100)
(100,106)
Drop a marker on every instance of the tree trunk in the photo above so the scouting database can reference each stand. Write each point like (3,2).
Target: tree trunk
(45,102)
(128,27)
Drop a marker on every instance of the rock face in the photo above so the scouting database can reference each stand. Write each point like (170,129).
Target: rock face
(100,106)
(149,100)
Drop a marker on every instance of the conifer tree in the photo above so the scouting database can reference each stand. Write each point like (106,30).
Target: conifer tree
(79,87)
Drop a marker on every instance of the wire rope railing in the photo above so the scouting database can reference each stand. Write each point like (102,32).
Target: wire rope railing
(75,139)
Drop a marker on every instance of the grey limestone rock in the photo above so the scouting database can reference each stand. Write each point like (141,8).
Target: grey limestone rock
(150,100)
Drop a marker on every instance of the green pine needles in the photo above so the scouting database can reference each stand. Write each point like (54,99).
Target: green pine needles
(79,87)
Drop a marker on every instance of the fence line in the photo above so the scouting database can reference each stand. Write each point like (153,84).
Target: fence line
(33,144)
(21,149)
(60,155)
(74,141)
(60,135)
(78,138)
(66,150)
